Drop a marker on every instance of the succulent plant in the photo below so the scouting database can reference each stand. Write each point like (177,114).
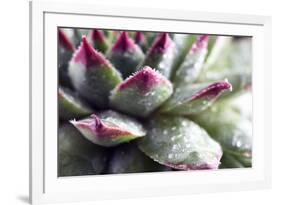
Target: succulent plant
(143,102)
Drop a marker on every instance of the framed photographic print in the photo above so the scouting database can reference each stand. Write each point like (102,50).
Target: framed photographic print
(127,103)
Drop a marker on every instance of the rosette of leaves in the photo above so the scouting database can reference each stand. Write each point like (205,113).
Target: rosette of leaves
(134,102)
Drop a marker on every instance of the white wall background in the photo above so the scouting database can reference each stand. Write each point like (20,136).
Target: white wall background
(14,100)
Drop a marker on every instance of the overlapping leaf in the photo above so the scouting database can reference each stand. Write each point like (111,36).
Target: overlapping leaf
(78,156)
(125,55)
(141,93)
(71,106)
(181,144)
(92,75)
(229,128)
(195,98)
(109,128)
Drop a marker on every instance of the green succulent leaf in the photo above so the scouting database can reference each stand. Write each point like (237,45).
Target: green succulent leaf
(92,75)
(140,40)
(125,55)
(234,62)
(217,47)
(246,160)
(194,98)
(98,40)
(229,161)
(65,51)
(193,63)
(70,106)
(127,158)
(78,156)
(141,93)
(228,127)
(161,55)
(109,128)
(181,144)
(158,99)
(183,43)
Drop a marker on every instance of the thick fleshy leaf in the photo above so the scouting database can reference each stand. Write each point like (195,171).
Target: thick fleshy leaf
(194,98)
(65,51)
(234,58)
(92,75)
(125,55)
(245,160)
(127,158)
(71,106)
(78,156)
(227,126)
(229,161)
(141,93)
(98,40)
(140,40)
(109,128)
(193,63)
(181,144)
(183,43)
(241,81)
(161,55)
(216,46)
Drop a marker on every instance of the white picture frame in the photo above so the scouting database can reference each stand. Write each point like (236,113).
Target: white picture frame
(46,187)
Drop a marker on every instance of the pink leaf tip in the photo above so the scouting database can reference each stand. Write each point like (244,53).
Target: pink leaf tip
(97,35)
(139,37)
(123,43)
(144,79)
(162,43)
(213,90)
(95,125)
(87,55)
(64,41)
(201,42)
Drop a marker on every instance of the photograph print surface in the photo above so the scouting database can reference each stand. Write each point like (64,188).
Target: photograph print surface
(139,101)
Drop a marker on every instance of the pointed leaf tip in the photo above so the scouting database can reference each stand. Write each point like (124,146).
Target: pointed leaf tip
(125,55)
(98,40)
(97,35)
(141,40)
(123,43)
(161,55)
(65,41)
(201,42)
(109,128)
(139,37)
(162,43)
(143,79)
(213,90)
(87,55)
(92,75)
(195,98)
(189,71)
(147,89)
